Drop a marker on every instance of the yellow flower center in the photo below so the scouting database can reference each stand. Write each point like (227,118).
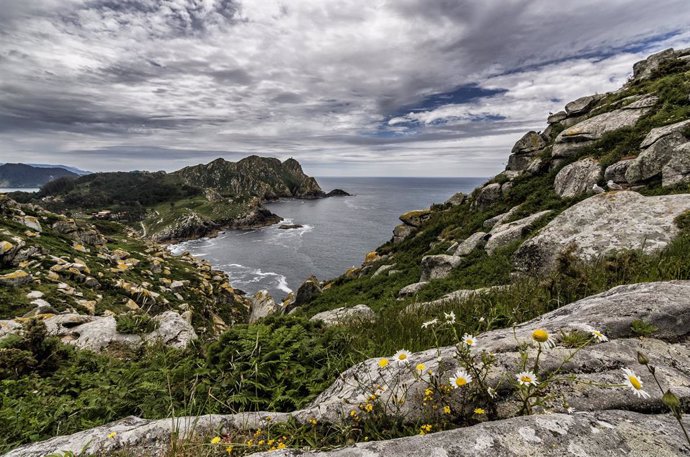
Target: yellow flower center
(526,379)
(540,335)
(479,411)
(421,367)
(635,382)
(383,363)
(402,357)
(460,382)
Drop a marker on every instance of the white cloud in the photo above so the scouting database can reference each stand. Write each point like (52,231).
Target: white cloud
(321,81)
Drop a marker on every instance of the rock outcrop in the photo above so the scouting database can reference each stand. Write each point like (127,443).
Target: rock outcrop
(98,333)
(664,153)
(263,305)
(603,224)
(577,178)
(339,316)
(503,234)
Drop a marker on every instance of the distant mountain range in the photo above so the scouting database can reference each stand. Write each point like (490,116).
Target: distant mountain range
(20,175)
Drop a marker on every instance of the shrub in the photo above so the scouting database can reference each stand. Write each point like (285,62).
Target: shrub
(129,323)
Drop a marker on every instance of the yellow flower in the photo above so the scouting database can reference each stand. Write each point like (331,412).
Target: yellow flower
(446,410)
(313,421)
(112,435)
(383,363)
(421,367)
(281,446)
(479,411)
(250,443)
(228,449)
(368,407)
(353,414)
(541,336)
(215,440)
(424,429)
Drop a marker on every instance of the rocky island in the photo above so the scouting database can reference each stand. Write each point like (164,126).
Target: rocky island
(190,203)
(546,313)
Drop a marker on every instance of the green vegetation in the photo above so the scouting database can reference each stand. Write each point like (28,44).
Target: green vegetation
(129,323)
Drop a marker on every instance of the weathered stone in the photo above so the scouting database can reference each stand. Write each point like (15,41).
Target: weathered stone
(644,102)
(577,178)
(454,297)
(677,170)
(488,194)
(616,172)
(519,162)
(339,316)
(263,305)
(42,307)
(582,105)
(382,269)
(309,290)
(530,142)
(584,133)
(457,199)
(651,161)
(656,134)
(412,289)
(16,278)
(556,117)
(438,266)
(415,218)
(603,224)
(402,231)
(645,68)
(32,223)
(475,241)
(504,234)
(173,330)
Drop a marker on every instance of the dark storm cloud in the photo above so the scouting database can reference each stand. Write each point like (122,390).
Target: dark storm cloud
(168,82)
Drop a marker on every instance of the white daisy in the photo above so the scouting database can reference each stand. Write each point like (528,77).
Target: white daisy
(491,391)
(450,317)
(469,340)
(543,337)
(635,383)
(460,379)
(599,336)
(402,357)
(526,378)
(429,323)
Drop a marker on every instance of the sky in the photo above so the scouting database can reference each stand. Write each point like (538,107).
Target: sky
(347,87)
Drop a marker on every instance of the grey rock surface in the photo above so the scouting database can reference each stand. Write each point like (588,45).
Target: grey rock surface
(530,142)
(438,266)
(651,161)
(504,234)
(577,178)
(474,241)
(602,224)
(488,194)
(616,171)
(402,231)
(339,316)
(582,105)
(263,305)
(677,169)
(412,289)
(455,296)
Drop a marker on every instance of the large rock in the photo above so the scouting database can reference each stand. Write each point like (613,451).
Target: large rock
(661,146)
(645,68)
(664,305)
(616,172)
(582,105)
(677,170)
(402,231)
(309,290)
(606,433)
(339,316)
(454,297)
(97,333)
(412,289)
(438,266)
(415,218)
(488,195)
(504,234)
(529,143)
(474,241)
(263,305)
(584,133)
(15,279)
(577,178)
(457,199)
(603,224)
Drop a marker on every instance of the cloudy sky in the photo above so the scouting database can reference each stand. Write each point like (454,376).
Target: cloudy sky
(347,87)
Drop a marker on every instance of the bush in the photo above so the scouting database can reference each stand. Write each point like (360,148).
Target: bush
(135,323)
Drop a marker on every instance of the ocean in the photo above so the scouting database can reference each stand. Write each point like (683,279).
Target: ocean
(336,234)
